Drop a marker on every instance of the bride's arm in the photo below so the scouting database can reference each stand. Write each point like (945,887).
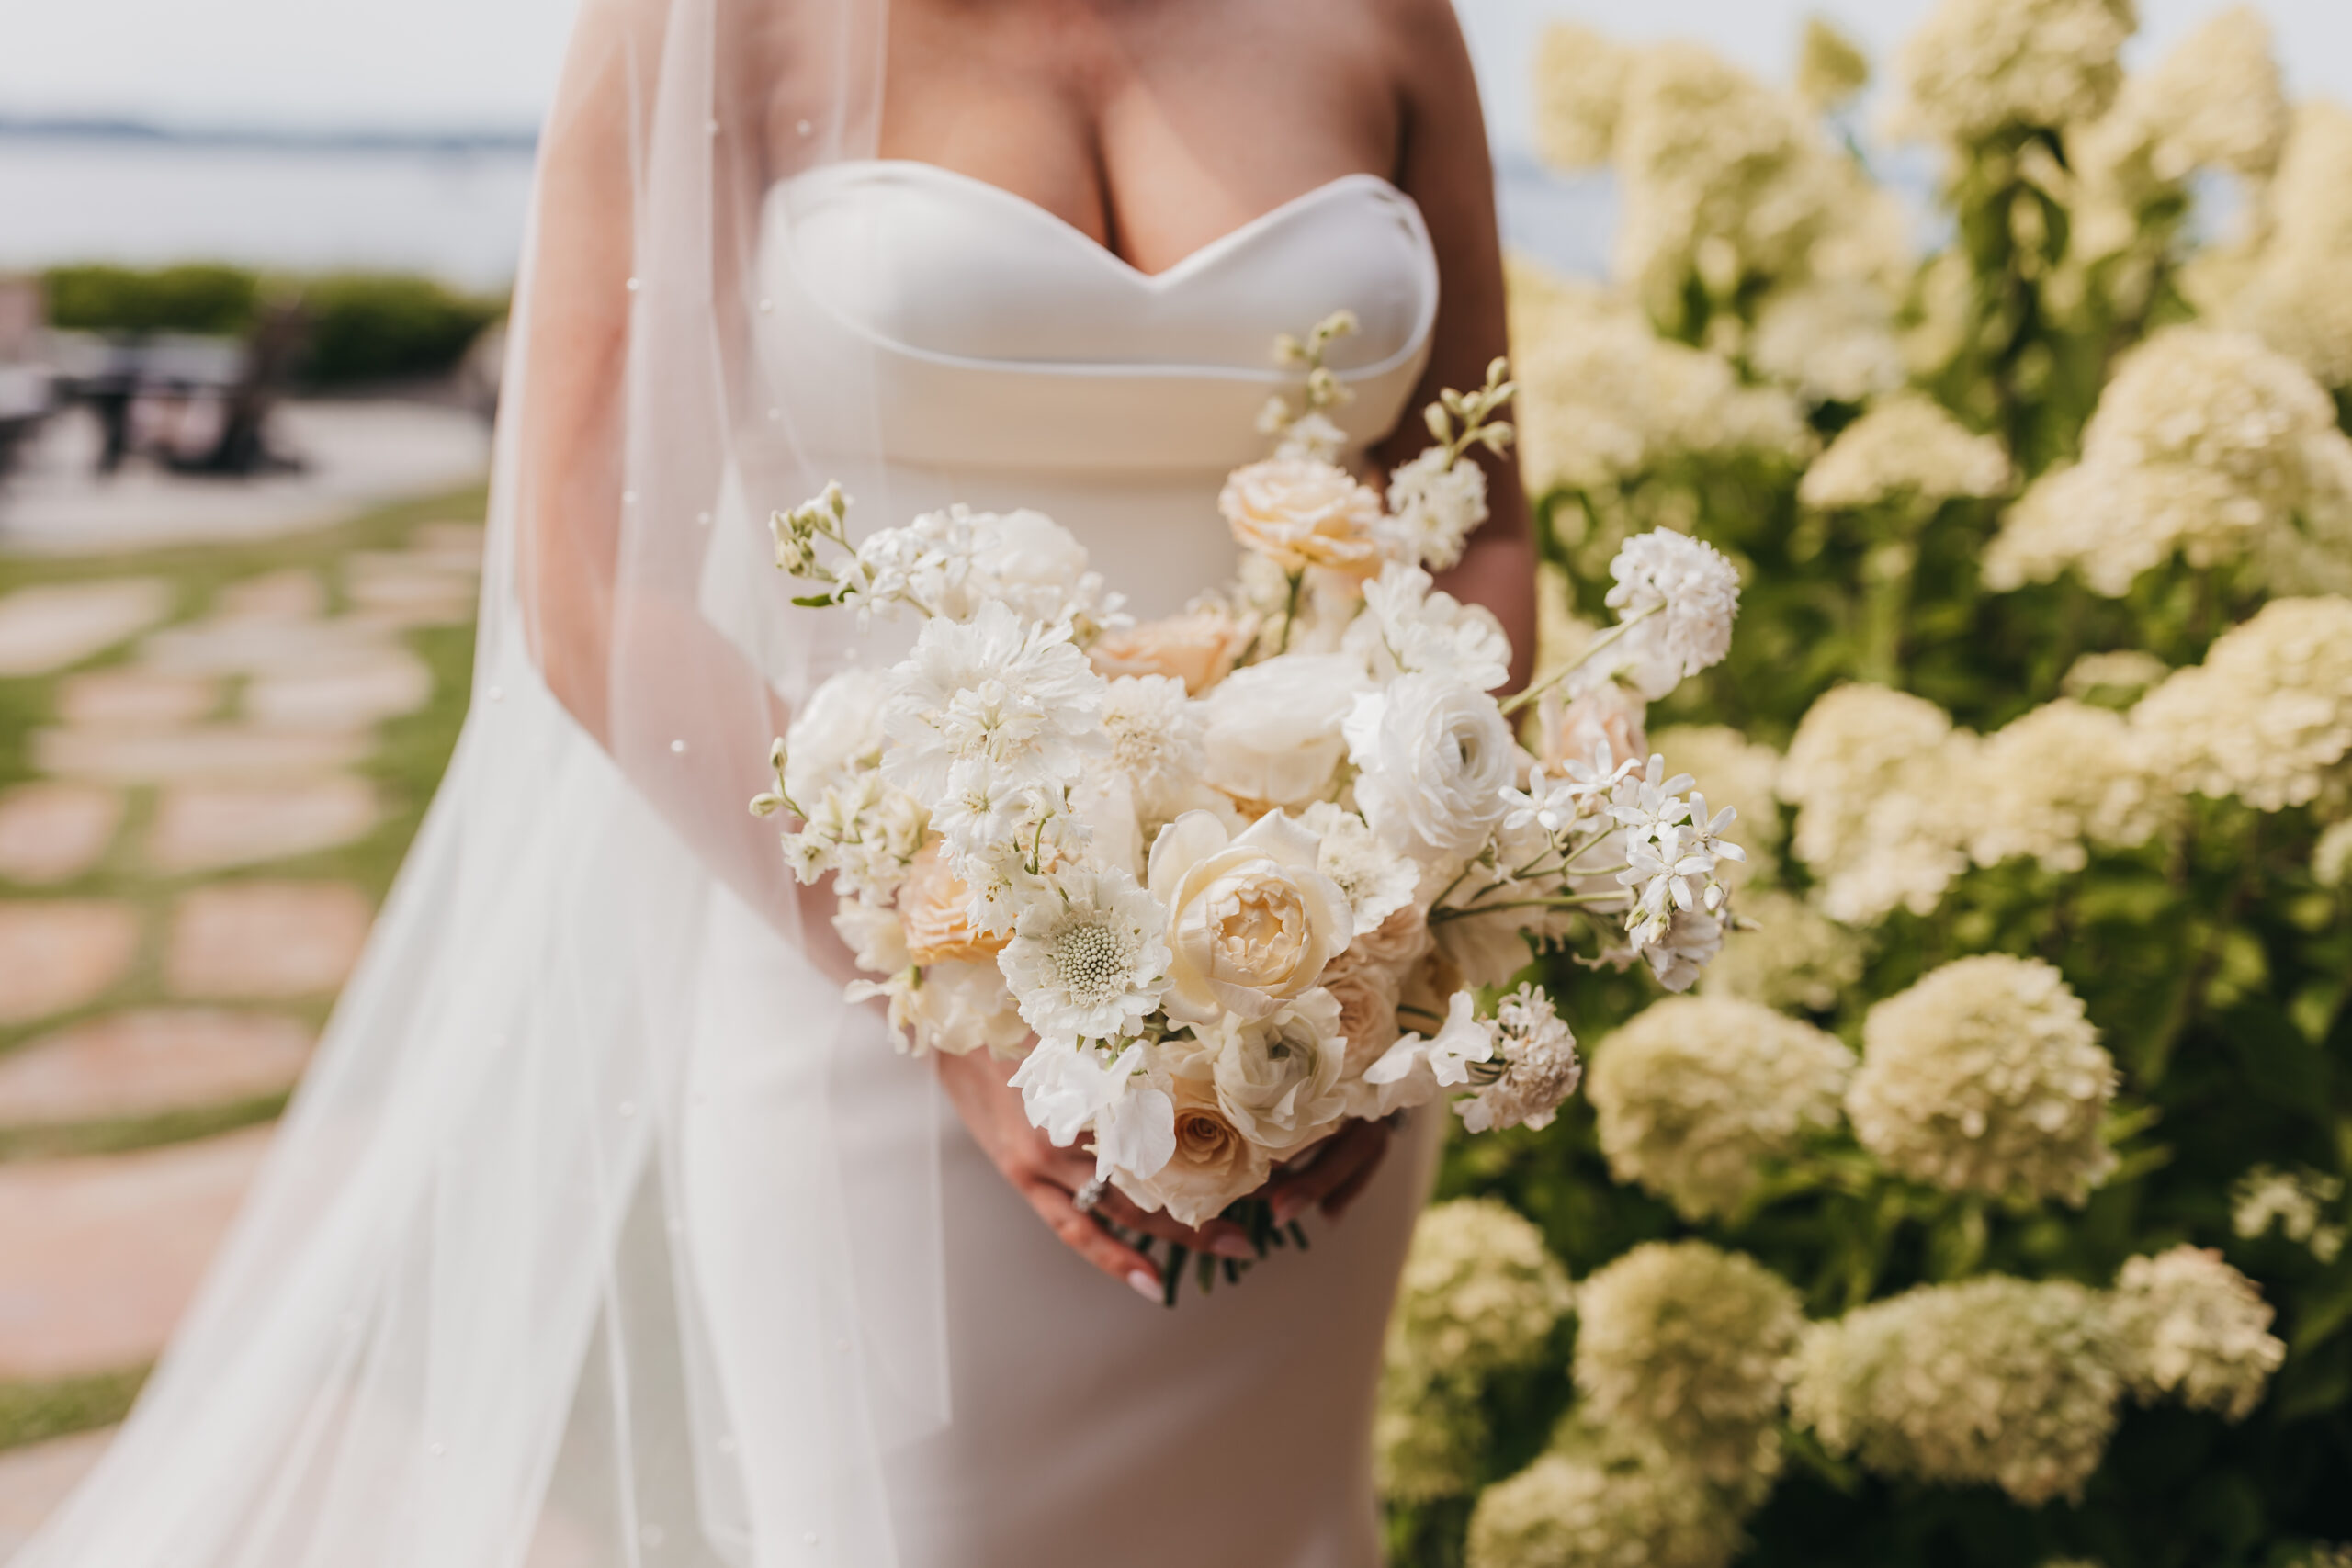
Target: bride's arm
(1443,167)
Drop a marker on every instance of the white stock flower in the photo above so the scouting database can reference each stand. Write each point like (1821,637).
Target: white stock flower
(1433,755)
(1406,628)
(1155,740)
(1435,503)
(1377,880)
(997,697)
(1539,1066)
(1272,731)
(1278,1077)
(1088,957)
(1250,921)
(1687,595)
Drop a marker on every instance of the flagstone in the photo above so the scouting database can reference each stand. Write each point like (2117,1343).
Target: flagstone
(391,681)
(255,646)
(98,1257)
(207,753)
(57,954)
(293,595)
(206,826)
(35,1481)
(136,696)
(265,939)
(53,832)
(60,625)
(147,1063)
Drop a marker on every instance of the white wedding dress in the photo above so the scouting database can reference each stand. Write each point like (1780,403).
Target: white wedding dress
(1024,364)
(604,1234)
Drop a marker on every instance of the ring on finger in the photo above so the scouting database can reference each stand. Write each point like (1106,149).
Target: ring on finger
(1087,1196)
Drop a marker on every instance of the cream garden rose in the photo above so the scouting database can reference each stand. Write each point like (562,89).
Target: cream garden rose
(1279,1080)
(1250,922)
(1198,647)
(1301,511)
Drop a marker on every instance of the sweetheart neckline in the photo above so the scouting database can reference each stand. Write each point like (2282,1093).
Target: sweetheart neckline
(1200,256)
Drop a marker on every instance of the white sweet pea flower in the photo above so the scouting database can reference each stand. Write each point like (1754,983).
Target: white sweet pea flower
(1445,1058)
(1251,922)
(1686,594)
(1435,503)
(1435,755)
(1064,1084)
(1136,1131)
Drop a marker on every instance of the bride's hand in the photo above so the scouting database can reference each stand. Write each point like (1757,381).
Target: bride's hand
(1048,1178)
(1342,1166)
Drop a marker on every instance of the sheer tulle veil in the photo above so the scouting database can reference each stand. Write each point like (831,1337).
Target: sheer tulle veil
(457,1323)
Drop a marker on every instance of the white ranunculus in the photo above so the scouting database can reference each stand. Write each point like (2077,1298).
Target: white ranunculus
(837,730)
(1272,731)
(1434,756)
(1278,1080)
(1251,922)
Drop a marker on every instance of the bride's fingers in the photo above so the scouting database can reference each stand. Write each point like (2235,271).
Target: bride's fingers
(1351,1154)
(1082,1236)
(1222,1237)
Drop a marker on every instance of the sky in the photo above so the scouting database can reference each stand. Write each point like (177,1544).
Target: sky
(465,64)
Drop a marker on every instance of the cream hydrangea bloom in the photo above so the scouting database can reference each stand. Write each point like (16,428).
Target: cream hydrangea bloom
(1833,340)
(1831,67)
(1986,1077)
(1975,68)
(2297,1201)
(1579,93)
(2269,713)
(1687,1341)
(2062,776)
(1785,953)
(1602,1494)
(1479,1292)
(1693,1093)
(2208,445)
(1993,1380)
(2298,297)
(1906,446)
(2332,856)
(1427,1438)
(1880,820)
(2191,1327)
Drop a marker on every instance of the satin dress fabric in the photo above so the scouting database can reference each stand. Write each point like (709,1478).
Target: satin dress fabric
(1015,361)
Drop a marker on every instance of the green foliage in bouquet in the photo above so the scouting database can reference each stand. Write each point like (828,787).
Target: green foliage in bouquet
(1986,1205)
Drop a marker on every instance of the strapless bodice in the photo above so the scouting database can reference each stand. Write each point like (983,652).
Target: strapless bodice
(971,329)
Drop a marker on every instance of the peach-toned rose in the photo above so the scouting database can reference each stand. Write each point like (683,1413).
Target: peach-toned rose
(1300,511)
(1366,992)
(934,906)
(1197,648)
(1212,1165)
(1609,713)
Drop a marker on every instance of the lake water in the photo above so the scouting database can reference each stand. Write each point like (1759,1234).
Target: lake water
(456,214)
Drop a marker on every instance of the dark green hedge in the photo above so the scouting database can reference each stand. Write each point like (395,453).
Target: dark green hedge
(364,326)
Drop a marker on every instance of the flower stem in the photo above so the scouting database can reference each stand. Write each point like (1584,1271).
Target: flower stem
(1582,659)
(1290,610)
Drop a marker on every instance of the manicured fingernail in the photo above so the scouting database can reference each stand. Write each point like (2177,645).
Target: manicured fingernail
(1233,1244)
(1147,1284)
(1286,1210)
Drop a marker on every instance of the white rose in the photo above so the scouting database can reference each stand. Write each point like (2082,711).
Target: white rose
(837,730)
(1435,755)
(1278,1080)
(1273,734)
(1300,511)
(1250,921)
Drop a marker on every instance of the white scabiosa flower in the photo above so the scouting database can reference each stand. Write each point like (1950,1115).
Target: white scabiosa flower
(1406,628)
(1686,594)
(1533,1070)
(1986,1077)
(1433,756)
(1880,823)
(2193,1329)
(2267,714)
(1904,447)
(1435,503)
(996,696)
(1694,1094)
(1975,68)
(1783,953)
(1993,1380)
(1686,1341)
(1603,1494)
(1088,957)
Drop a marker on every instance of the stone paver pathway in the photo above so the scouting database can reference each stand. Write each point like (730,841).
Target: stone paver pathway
(233,724)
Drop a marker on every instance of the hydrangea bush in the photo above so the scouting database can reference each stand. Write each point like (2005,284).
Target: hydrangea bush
(1985,1203)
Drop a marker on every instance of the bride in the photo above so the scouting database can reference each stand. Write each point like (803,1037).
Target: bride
(604,1232)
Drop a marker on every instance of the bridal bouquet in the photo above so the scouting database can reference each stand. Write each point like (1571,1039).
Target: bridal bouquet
(1226,880)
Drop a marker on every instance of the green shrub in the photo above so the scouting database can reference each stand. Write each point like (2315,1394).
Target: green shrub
(198,297)
(368,326)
